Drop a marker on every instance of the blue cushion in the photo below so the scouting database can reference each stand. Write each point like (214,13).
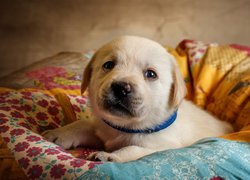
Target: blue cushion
(207,159)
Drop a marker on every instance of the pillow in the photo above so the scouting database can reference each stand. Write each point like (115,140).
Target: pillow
(26,113)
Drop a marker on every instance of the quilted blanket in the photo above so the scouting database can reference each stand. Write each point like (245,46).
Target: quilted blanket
(217,78)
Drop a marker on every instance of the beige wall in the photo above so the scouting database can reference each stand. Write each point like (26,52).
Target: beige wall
(33,29)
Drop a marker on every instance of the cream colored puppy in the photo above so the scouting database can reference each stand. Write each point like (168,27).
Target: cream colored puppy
(136,92)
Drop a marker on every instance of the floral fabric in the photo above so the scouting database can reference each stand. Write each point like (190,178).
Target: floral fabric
(54,77)
(32,109)
(23,115)
(63,70)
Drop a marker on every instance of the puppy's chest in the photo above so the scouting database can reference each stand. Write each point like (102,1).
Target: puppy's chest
(113,140)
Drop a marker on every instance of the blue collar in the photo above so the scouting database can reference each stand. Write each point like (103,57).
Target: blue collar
(157,128)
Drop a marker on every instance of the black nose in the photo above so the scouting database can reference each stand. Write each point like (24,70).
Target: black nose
(121,89)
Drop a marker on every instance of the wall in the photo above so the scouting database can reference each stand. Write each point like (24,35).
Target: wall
(31,30)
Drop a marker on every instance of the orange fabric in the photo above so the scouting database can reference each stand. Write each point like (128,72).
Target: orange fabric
(218,79)
(68,111)
(242,135)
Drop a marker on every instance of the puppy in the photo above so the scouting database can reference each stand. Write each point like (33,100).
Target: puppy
(137,95)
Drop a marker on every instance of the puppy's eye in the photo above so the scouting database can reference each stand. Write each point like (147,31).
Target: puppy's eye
(150,74)
(108,65)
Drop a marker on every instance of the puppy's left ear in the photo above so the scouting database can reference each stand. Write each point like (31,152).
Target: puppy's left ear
(179,89)
(87,74)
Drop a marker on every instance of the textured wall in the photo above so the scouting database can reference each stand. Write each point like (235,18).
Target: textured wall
(31,30)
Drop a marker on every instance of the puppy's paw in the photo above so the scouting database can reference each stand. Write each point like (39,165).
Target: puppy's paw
(103,156)
(61,138)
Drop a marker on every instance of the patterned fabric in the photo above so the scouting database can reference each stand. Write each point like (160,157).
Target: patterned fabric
(211,158)
(31,109)
(54,77)
(218,79)
(24,114)
(63,70)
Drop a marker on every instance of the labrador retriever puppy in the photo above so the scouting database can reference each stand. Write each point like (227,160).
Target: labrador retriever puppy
(137,96)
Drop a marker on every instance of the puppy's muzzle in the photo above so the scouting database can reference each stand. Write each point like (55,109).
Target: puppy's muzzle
(120,99)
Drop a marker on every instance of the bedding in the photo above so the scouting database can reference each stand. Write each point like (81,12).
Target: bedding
(62,70)
(28,113)
(47,95)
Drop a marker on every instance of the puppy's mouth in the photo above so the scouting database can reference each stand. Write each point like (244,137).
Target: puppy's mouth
(118,107)
(123,107)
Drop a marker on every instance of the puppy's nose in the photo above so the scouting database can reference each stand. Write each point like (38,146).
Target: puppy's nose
(121,89)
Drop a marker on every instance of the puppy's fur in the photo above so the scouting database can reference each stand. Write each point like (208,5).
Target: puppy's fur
(144,100)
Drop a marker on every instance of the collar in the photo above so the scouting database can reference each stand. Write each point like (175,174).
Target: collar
(157,128)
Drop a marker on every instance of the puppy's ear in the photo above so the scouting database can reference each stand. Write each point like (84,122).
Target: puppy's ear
(179,88)
(87,74)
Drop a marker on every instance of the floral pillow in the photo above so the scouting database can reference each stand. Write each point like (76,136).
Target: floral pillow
(31,109)
(23,115)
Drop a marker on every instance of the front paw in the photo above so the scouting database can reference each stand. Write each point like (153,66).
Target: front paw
(60,137)
(103,156)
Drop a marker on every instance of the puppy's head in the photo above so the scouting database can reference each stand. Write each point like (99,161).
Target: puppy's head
(133,82)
